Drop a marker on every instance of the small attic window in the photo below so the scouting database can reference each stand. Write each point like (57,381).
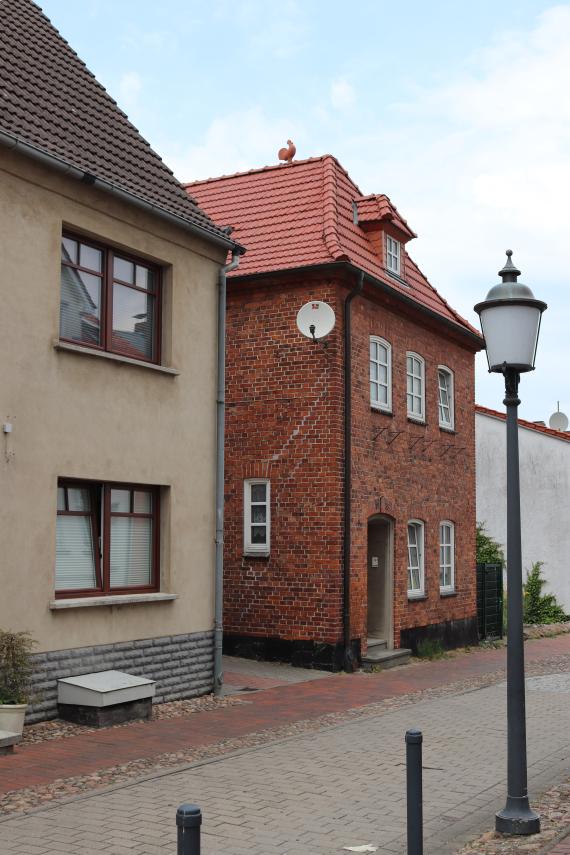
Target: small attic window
(393,255)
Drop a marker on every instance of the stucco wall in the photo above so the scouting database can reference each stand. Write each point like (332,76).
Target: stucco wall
(88,417)
(545,498)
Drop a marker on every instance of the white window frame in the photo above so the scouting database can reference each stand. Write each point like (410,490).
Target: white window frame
(393,255)
(250,548)
(412,376)
(443,563)
(419,545)
(450,390)
(377,404)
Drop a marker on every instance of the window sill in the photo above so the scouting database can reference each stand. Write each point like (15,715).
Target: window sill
(447,593)
(414,597)
(382,411)
(112,357)
(256,554)
(113,600)
(397,277)
(447,429)
(417,421)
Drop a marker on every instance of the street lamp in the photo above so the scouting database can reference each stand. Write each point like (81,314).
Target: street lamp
(510,320)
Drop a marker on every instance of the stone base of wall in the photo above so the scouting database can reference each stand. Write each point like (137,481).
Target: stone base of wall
(182,665)
(451,633)
(302,654)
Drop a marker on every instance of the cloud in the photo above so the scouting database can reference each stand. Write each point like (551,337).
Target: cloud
(233,142)
(480,164)
(342,95)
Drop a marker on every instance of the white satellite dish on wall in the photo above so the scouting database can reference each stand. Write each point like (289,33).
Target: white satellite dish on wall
(315,320)
(558,421)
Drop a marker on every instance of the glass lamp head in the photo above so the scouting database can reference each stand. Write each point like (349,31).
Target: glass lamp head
(510,321)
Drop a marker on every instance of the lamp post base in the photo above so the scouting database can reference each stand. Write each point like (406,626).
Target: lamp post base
(517,818)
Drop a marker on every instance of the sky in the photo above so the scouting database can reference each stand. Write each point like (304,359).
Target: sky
(458,111)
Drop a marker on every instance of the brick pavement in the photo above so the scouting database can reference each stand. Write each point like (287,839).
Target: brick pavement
(42,763)
(316,793)
(561,848)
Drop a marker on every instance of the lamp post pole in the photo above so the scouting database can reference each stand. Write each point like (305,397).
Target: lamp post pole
(510,319)
(517,816)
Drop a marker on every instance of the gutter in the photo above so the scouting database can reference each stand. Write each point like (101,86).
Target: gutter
(220,435)
(66,168)
(349,662)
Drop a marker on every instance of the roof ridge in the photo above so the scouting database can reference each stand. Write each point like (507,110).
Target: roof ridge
(330,211)
(258,169)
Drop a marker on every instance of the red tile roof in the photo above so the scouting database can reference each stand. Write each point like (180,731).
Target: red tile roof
(51,101)
(558,434)
(301,214)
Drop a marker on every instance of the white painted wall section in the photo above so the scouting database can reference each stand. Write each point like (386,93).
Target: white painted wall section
(545,497)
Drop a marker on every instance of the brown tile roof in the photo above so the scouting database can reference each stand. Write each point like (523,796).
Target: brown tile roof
(51,101)
(302,214)
(495,414)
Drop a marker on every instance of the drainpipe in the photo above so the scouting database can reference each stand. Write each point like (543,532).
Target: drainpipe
(349,663)
(220,423)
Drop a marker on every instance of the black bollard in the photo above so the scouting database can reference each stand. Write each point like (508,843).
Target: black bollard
(188,820)
(414,740)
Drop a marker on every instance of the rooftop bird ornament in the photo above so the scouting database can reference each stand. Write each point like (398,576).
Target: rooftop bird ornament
(287,154)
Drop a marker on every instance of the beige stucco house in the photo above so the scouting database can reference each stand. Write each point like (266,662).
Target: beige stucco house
(108,348)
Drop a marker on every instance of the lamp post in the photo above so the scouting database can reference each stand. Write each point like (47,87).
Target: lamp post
(510,320)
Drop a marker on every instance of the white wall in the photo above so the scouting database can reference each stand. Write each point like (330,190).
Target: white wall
(545,498)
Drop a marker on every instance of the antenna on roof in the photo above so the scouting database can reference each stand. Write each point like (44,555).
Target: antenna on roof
(558,420)
(316,320)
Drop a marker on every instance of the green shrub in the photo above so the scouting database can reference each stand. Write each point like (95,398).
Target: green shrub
(430,648)
(15,666)
(488,551)
(538,607)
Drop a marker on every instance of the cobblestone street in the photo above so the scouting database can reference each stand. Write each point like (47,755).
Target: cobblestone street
(341,784)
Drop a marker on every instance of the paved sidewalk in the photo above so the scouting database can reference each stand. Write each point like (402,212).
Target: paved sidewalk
(88,753)
(319,792)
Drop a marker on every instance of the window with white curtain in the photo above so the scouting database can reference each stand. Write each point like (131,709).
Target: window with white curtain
(380,374)
(416,584)
(445,397)
(257,517)
(107,538)
(415,374)
(446,556)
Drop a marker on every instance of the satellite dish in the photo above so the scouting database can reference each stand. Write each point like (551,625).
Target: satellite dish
(315,320)
(558,421)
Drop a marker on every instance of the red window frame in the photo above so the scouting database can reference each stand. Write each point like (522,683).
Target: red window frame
(100,495)
(108,280)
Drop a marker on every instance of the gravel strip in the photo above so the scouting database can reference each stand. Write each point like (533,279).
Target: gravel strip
(553,807)
(59,729)
(26,799)
(545,630)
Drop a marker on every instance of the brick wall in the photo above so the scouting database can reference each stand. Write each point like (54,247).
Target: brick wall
(410,471)
(285,422)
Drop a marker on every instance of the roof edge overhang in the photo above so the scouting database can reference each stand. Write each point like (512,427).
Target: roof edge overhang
(65,167)
(475,339)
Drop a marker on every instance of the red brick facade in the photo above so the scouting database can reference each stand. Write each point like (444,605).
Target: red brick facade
(311,235)
(285,405)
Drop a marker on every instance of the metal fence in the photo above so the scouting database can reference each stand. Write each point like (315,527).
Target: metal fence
(490,601)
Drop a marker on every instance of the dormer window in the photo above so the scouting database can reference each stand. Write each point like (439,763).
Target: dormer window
(392,255)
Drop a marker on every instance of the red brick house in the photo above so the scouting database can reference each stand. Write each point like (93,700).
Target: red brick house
(350,467)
